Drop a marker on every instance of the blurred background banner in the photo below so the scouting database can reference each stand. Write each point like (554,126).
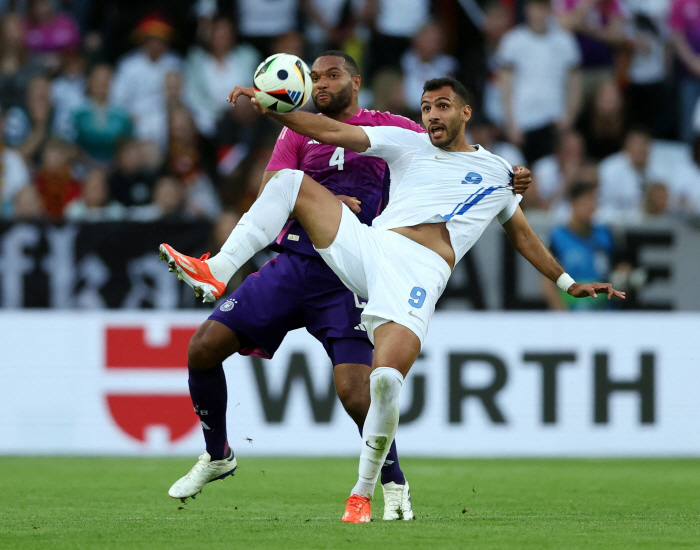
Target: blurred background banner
(521,384)
(114,265)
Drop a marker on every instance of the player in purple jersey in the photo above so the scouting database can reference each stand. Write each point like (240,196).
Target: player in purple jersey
(297,289)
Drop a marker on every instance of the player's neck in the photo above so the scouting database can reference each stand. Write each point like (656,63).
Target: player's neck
(349,112)
(459,145)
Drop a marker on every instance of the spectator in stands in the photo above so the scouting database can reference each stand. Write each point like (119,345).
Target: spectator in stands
(685,37)
(49,32)
(656,199)
(260,22)
(68,93)
(540,81)
(498,20)
(647,72)
(16,67)
(131,182)
(139,81)
(168,202)
(94,204)
(393,23)
(556,173)
(290,42)
(625,175)
(187,161)
(603,124)
(27,205)
(55,181)
(209,74)
(484,132)
(584,249)
(389,93)
(329,24)
(97,125)
(599,28)
(689,177)
(13,177)
(424,61)
(27,128)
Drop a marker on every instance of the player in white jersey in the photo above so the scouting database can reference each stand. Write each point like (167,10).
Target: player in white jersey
(444,192)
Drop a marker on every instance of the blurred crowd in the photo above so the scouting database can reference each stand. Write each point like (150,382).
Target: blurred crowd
(114,110)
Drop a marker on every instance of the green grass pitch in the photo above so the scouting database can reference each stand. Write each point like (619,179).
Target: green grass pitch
(294,503)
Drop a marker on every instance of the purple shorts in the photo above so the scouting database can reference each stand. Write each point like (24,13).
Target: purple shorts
(290,292)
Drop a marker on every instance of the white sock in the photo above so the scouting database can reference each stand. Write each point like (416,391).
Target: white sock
(379,428)
(259,226)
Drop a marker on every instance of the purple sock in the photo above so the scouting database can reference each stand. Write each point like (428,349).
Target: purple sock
(391,471)
(209,397)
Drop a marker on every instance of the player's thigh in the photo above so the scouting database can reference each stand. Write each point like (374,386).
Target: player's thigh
(266,306)
(211,345)
(395,346)
(319,211)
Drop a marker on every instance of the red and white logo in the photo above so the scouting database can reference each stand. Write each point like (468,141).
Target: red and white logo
(127,350)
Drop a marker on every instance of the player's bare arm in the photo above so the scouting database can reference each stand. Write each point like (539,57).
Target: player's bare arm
(526,241)
(320,128)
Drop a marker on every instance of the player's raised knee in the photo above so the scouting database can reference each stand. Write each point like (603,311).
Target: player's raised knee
(385,384)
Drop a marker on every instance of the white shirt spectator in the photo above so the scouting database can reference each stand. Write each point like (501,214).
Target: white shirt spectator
(621,186)
(402,17)
(541,65)
(648,65)
(417,72)
(14,177)
(549,177)
(689,178)
(139,88)
(267,17)
(208,82)
(68,94)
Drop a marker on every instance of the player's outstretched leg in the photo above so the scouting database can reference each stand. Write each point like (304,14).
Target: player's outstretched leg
(352,385)
(396,349)
(289,191)
(210,345)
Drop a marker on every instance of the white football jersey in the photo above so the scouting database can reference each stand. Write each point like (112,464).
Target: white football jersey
(431,185)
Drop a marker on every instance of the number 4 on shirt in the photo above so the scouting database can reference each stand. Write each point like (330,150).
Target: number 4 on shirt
(338,158)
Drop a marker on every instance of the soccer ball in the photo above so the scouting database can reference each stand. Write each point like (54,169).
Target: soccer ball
(282,83)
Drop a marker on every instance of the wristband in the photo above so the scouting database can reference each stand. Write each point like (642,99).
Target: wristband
(565,281)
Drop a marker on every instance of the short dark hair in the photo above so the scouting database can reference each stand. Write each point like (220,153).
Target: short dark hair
(350,63)
(581,188)
(456,85)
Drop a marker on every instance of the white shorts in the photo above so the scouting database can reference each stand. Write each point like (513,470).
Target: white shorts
(401,279)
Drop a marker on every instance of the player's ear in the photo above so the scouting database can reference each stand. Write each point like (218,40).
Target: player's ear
(356,82)
(466,113)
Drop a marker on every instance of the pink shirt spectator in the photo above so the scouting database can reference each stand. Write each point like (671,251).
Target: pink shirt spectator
(58,34)
(685,19)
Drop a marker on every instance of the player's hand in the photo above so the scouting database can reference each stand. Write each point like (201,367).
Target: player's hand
(238,91)
(583,290)
(521,179)
(351,202)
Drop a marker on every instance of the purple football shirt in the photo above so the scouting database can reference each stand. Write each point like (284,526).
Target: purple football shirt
(341,171)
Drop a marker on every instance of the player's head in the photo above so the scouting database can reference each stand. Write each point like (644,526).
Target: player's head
(445,110)
(583,198)
(336,81)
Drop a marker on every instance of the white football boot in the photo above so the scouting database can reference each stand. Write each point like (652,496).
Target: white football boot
(397,501)
(203,472)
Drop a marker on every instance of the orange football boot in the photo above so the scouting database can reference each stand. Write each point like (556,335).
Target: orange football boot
(357,510)
(194,272)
